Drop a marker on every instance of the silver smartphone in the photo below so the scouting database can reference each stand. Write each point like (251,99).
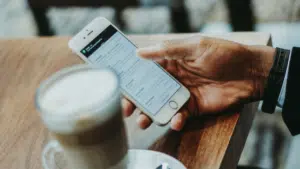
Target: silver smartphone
(144,82)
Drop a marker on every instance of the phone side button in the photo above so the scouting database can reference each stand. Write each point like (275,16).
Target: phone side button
(173,105)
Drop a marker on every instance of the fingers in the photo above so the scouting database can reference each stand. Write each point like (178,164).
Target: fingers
(178,121)
(168,50)
(180,49)
(128,107)
(143,121)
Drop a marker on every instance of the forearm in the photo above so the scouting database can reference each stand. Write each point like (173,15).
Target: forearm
(263,58)
(267,56)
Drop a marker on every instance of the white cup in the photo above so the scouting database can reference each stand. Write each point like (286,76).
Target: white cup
(81,108)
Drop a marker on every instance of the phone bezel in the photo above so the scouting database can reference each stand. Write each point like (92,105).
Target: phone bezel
(93,29)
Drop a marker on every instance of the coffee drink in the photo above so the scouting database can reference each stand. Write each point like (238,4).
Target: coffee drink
(81,107)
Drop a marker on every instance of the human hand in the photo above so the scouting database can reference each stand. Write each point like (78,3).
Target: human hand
(218,73)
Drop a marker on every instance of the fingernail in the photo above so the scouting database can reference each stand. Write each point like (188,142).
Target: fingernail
(124,103)
(126,112)
(139,120)
(177,122)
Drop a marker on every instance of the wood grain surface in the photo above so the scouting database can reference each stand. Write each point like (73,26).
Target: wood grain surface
(208,142)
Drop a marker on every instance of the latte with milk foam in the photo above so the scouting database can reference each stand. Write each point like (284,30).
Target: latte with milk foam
(82,110)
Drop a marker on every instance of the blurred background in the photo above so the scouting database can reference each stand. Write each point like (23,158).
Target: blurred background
(269,144)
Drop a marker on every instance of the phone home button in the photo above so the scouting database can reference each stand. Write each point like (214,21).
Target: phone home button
(173,105)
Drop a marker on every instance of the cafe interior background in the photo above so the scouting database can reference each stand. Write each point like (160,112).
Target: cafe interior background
(269,144)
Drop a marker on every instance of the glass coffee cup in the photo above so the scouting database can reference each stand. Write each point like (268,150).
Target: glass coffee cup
(81,108)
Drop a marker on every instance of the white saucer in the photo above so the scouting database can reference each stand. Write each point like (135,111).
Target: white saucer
(146,159)
(136,159)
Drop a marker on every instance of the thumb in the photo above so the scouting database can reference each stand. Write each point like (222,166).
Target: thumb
(170,49)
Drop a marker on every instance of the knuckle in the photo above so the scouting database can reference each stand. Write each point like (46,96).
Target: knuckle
(204,41)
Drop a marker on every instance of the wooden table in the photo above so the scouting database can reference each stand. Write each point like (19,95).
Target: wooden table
(208,142)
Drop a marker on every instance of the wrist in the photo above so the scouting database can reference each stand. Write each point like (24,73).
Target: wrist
(263,57)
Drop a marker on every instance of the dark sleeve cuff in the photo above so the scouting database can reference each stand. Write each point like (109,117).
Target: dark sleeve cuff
(281,97)
(291,106)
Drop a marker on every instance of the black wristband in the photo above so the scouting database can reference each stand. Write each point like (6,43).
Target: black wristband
(275,80)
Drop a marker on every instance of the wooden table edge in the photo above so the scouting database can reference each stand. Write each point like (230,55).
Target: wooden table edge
(231,154)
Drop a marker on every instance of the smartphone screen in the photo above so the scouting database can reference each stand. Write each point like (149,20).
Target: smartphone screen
(143,80)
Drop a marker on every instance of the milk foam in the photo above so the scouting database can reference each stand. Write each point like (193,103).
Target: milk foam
(70,99)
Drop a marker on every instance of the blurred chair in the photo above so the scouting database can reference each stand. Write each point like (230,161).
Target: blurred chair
(180,18)
(39,10)
(241,15)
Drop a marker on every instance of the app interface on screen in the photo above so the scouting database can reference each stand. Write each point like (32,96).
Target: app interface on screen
(143,80)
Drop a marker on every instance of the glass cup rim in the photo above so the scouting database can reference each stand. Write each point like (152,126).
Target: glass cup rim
(93,110)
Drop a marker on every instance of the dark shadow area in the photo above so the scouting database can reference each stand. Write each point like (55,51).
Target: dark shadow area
(241,15)
(258,147)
